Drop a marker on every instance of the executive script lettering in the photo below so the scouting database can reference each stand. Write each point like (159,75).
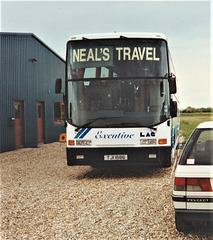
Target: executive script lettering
(121,135)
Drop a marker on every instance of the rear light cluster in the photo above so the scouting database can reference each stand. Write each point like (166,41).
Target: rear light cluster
(192,184)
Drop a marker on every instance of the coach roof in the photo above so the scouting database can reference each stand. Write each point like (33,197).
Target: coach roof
(118,35)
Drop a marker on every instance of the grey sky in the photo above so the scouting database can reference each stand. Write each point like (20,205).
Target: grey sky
(185,23)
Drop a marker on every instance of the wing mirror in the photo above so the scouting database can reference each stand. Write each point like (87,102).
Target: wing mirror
(173,109)
(172,84)
(161,89)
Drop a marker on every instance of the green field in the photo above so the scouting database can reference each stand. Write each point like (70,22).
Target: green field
(189,121)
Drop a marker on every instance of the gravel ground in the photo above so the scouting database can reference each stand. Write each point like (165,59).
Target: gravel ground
(42,198)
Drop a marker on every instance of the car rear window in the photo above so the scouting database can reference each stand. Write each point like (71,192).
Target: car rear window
(199,148)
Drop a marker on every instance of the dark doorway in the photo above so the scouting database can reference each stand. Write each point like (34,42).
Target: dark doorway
(40,107)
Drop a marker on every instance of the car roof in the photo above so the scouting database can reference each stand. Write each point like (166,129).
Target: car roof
(119,35)
(208,124)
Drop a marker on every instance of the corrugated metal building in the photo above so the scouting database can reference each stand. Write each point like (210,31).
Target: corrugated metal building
(30,111)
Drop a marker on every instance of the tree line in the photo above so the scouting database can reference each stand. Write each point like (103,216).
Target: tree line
(197,110)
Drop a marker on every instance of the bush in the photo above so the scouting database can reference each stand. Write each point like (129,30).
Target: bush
(196,110)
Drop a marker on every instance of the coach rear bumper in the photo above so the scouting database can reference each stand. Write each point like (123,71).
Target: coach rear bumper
(153,156)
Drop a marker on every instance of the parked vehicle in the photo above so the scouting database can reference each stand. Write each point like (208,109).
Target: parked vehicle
(193,184)
(120,100)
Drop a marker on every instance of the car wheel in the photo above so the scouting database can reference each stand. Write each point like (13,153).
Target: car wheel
(181,223)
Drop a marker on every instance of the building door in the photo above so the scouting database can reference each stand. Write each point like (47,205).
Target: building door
(19,120)
(40,107)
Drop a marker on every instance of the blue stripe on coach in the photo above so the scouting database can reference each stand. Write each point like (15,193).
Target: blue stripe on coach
(85,133)
(82,130)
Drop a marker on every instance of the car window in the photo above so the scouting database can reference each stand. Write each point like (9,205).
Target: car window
(199,151)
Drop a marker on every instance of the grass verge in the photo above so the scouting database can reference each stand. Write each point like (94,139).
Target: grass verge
(189,121)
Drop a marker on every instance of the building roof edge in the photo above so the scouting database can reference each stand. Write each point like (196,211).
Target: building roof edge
(34,36)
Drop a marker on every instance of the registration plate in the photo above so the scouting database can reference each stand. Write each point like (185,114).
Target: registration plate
(116,157)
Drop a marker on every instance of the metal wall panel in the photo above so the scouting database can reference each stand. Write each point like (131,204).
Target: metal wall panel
(28,72)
